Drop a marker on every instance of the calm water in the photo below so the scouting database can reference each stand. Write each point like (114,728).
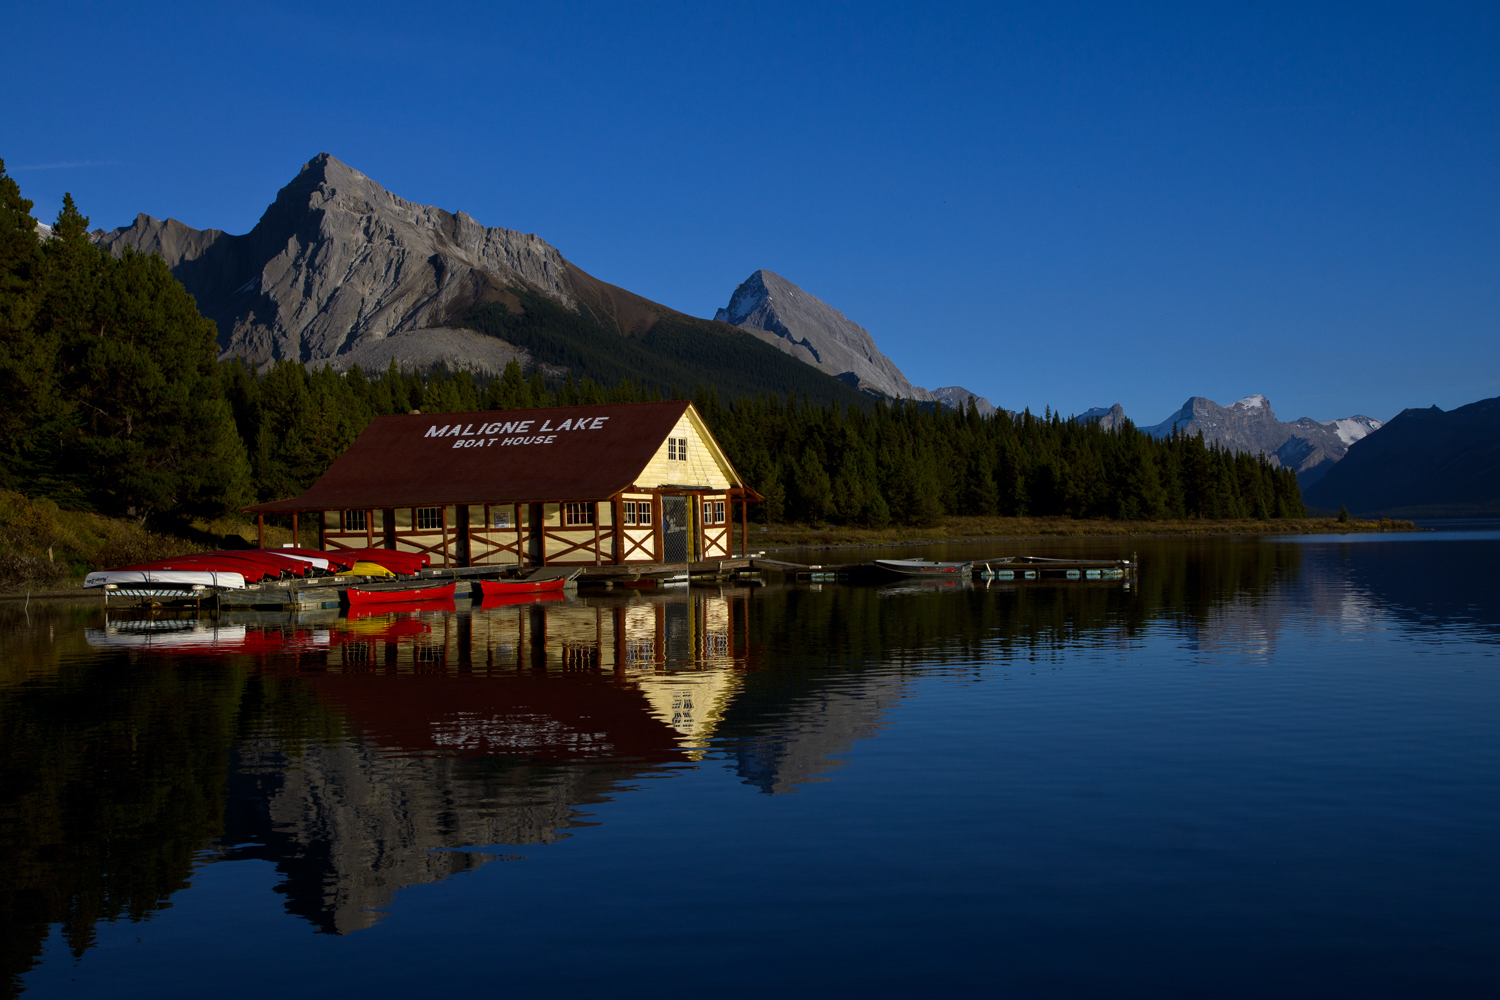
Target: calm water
(1269,768)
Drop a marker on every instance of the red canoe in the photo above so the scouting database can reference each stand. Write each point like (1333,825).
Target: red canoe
(359,598)
(406,563)
(253,570)
(515,588)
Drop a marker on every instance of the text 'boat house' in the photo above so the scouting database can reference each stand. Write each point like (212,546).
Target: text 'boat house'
(594,485)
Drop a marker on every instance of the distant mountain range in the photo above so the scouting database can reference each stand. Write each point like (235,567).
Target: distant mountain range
(1423,463)
(1311,447)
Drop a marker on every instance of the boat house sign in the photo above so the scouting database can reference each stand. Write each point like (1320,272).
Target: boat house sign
(515,432)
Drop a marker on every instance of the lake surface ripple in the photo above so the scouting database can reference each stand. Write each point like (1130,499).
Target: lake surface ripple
(1269,767)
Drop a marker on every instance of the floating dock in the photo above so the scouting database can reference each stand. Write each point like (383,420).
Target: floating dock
(329,592)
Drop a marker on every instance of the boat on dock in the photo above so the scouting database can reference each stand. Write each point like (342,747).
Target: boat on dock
(926,568)
(361,597)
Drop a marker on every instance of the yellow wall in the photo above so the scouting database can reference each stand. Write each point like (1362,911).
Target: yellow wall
(704,467)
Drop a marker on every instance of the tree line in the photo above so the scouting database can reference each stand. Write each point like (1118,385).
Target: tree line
(116,402)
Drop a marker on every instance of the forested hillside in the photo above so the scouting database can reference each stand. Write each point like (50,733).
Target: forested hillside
(674,350)
(115,403)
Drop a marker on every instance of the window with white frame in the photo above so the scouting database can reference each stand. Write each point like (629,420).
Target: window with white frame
(354,520)
(677,449)
(637,512)
(578,513)
(713,512)
(428,518)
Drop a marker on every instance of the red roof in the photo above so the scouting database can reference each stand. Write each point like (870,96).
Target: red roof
(549,453)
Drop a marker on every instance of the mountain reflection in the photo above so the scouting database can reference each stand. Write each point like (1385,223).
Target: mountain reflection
(363,755)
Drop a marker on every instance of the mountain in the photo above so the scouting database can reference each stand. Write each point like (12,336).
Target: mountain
(812,331)
(956,397)
(336,260)
(1423,463)
(338,268)
(1108,417)
(1310,447)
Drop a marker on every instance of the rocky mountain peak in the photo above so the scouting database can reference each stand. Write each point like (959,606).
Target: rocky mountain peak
(336,261)
(804,326)
(1108,417)
(956,397)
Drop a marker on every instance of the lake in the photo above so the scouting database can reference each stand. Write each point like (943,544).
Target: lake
(1266,767)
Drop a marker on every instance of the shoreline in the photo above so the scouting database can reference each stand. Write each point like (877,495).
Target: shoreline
(955,529)
(979,529)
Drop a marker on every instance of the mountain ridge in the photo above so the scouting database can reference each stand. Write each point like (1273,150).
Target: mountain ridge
(1310,447)
(1422,463)
(337,266)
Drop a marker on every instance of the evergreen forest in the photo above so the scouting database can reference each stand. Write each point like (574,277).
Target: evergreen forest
(117,403)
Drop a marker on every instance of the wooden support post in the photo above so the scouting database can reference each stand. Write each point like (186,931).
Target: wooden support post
(296,539)
(443,516)
(617,505)
(370,529)
(260,531)
(656,528)
(744,527)
(597,557)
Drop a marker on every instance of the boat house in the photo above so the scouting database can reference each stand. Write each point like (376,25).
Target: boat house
(594,485)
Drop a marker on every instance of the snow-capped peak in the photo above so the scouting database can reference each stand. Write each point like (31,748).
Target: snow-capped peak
(1254,402)
(1351,429)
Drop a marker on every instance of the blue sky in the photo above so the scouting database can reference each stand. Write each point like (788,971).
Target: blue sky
(1050,204)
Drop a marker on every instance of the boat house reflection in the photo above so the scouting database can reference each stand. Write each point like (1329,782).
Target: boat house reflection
(641,633)
(495,725)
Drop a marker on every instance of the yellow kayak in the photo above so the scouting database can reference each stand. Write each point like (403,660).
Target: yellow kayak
(366,569)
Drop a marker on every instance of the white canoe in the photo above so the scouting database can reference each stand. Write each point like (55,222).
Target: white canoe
(164,577)
(317,562)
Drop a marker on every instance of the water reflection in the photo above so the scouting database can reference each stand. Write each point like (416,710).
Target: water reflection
(367,753)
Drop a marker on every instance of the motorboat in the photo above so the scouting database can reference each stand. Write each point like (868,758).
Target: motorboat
(929,568)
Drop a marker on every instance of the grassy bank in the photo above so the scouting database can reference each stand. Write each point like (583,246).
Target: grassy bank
(964,528)
(45,548)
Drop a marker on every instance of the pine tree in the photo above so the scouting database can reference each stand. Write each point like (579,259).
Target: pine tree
(155,435)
